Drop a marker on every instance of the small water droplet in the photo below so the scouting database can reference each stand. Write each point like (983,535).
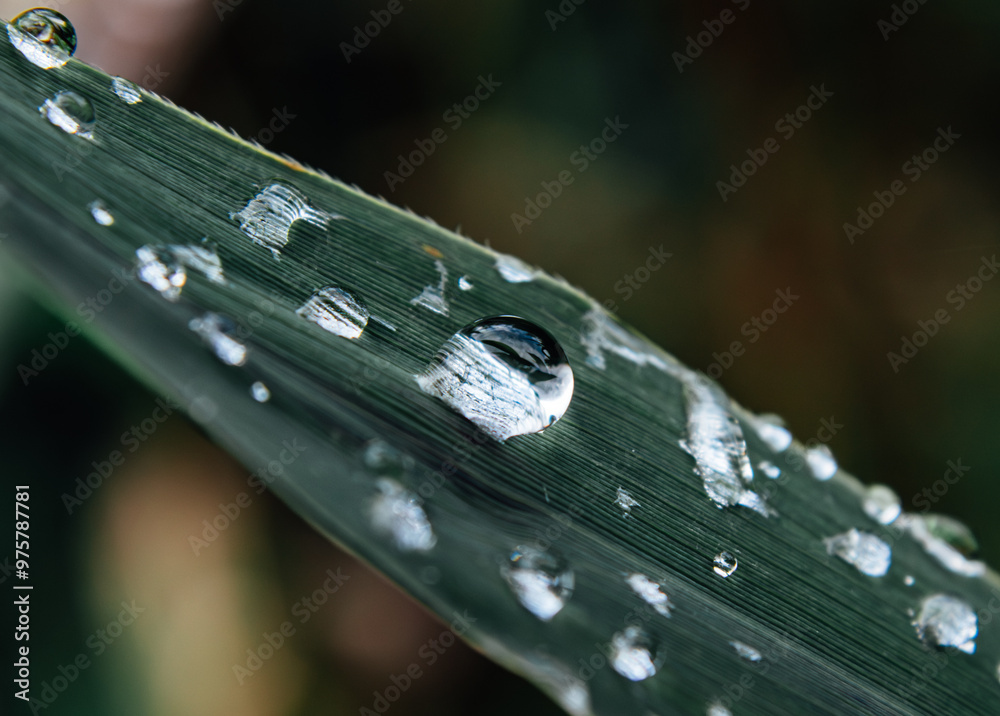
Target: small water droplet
(881,504)
(260,392)
(541,581)
(100,213)
(70,112)
(651,593)
(396,512)
(432,298)
(514,270)
(268,217)
(505,374)
(771,429)
(769,469)
(717,709)
(947,621)
(868,553)
(165,267)
(336,311)
(908,580)
(949,557)
(214,330)
(45,37)
(631,654)
(821,462)
(745,651)
(626,502)
(127,91)
(465,284)
(724,564)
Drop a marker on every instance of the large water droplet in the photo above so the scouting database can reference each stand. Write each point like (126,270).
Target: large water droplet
(724,564)
(337,311)
(745,651)
(865,551)
(771,429)
(514,270)
(947,621)
(821,462)
(505,374)
(541,581)
(881,504)
(260,392)
(70,112)
(432,298)
(626,502)
(43,36)
(165,267)
(949,557)
(269,216)
(651,593)
(100,213)
(126,91)
(632,655)
(396,512)
(215,330)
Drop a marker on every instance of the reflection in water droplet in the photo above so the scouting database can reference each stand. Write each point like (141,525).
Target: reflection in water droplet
(70,112)
(821,462)
(745,651)
(336,311)
(269,216)
(432,298)
(514,270)
(771,429)
(717,709)
(100,213)
(947,621)
(214,330)
(505,374)
(881,504)
(541,581)
(396,512)
(724,564)
(127,92)
(865,551)
(43,36)
(465,284)
(651,593)
(948,556)
(260,392)
(626,502)
(631,654)
(165,267)
(769,469)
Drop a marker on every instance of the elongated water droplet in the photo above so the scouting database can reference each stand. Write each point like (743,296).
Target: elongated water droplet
(724,564)
(465,284)
(514,270)
(952,531)
(268,217)
(541,581)
(651,593)
(771,429)
(260,392)
(215,330)
(126,91)
(632,654)
(165,267)
(947,621)
(821,462)
(949,557)
(868,553)
(432,298)
(769,469)
(745,651)
(100,213)
(881,504)
(70,112)
(396,512)
(626,502)
(336,311)
(505,374)
(43,36)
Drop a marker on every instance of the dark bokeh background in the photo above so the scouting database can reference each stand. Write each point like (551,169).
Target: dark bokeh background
(825,358)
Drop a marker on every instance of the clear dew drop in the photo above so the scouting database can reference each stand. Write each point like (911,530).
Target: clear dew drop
(126,91)
(397,513)
(45,37)
(821,462)
(432,297)
(871,555)
(947,621)
(336,311)
(505,374)
(948,556)
(267,218)
(100,213)
(215,330)
(626,502)
(260,392)
(717,709)
(769,469)
(541,581)
(514,270)
(651,592)
(724,564)
(745,651)
(632,655)
(771,429)
(71,113)
(165,267)
(881,504)
(464,283)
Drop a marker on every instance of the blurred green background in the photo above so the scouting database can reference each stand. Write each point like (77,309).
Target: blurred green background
(277,72)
